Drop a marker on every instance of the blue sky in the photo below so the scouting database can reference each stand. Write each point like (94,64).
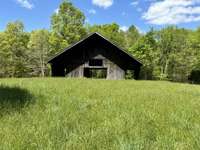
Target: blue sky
(143,13)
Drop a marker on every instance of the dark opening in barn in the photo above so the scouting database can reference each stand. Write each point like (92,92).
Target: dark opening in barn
(100,73)
(94,57)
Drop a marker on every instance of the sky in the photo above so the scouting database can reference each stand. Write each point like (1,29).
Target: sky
(144,14)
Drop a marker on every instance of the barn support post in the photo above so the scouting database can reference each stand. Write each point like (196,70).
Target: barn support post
(137,73)
(53,70)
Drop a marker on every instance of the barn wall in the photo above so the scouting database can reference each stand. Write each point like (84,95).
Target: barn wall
(114,72)
(77,72)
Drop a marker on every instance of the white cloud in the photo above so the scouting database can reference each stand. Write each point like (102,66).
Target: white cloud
(103,3)
(135,3)
(56,10)
(25,3)
(140,30)
(92,11)
(173,12)
(124,28)
(87,20)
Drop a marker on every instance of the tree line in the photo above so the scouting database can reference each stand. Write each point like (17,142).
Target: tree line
(170,53)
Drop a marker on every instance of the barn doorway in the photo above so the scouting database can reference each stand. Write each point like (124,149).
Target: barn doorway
(96,73)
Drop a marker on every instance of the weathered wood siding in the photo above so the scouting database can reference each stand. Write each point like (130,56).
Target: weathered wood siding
(113,71)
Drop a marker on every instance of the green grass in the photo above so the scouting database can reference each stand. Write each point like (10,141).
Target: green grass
(97,114)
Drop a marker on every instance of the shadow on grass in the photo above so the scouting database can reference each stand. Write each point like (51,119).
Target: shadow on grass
(14,99)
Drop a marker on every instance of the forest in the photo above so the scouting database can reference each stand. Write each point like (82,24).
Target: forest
(170,53)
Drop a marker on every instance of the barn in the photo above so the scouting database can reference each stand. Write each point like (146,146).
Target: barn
(94,57)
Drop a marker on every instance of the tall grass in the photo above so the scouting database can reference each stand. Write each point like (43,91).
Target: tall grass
(97,114)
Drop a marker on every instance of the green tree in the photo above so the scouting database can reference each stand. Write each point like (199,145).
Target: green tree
(39,52)
(111,32)
(194,42)
(3,63)
(13,48)
(132,36)
(145,49)
(67,26)
(175,53)
(195,46)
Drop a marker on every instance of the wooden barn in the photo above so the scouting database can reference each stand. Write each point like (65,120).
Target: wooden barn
(94,57)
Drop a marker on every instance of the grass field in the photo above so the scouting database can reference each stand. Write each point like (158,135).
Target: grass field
(85,114)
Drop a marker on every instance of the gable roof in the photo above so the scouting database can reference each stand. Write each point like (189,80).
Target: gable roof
(89,36)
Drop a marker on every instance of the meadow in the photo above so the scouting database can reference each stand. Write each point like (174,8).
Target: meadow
(82,114)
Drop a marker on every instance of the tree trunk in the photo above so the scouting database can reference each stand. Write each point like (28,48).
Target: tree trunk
(165,71)
(41,67)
